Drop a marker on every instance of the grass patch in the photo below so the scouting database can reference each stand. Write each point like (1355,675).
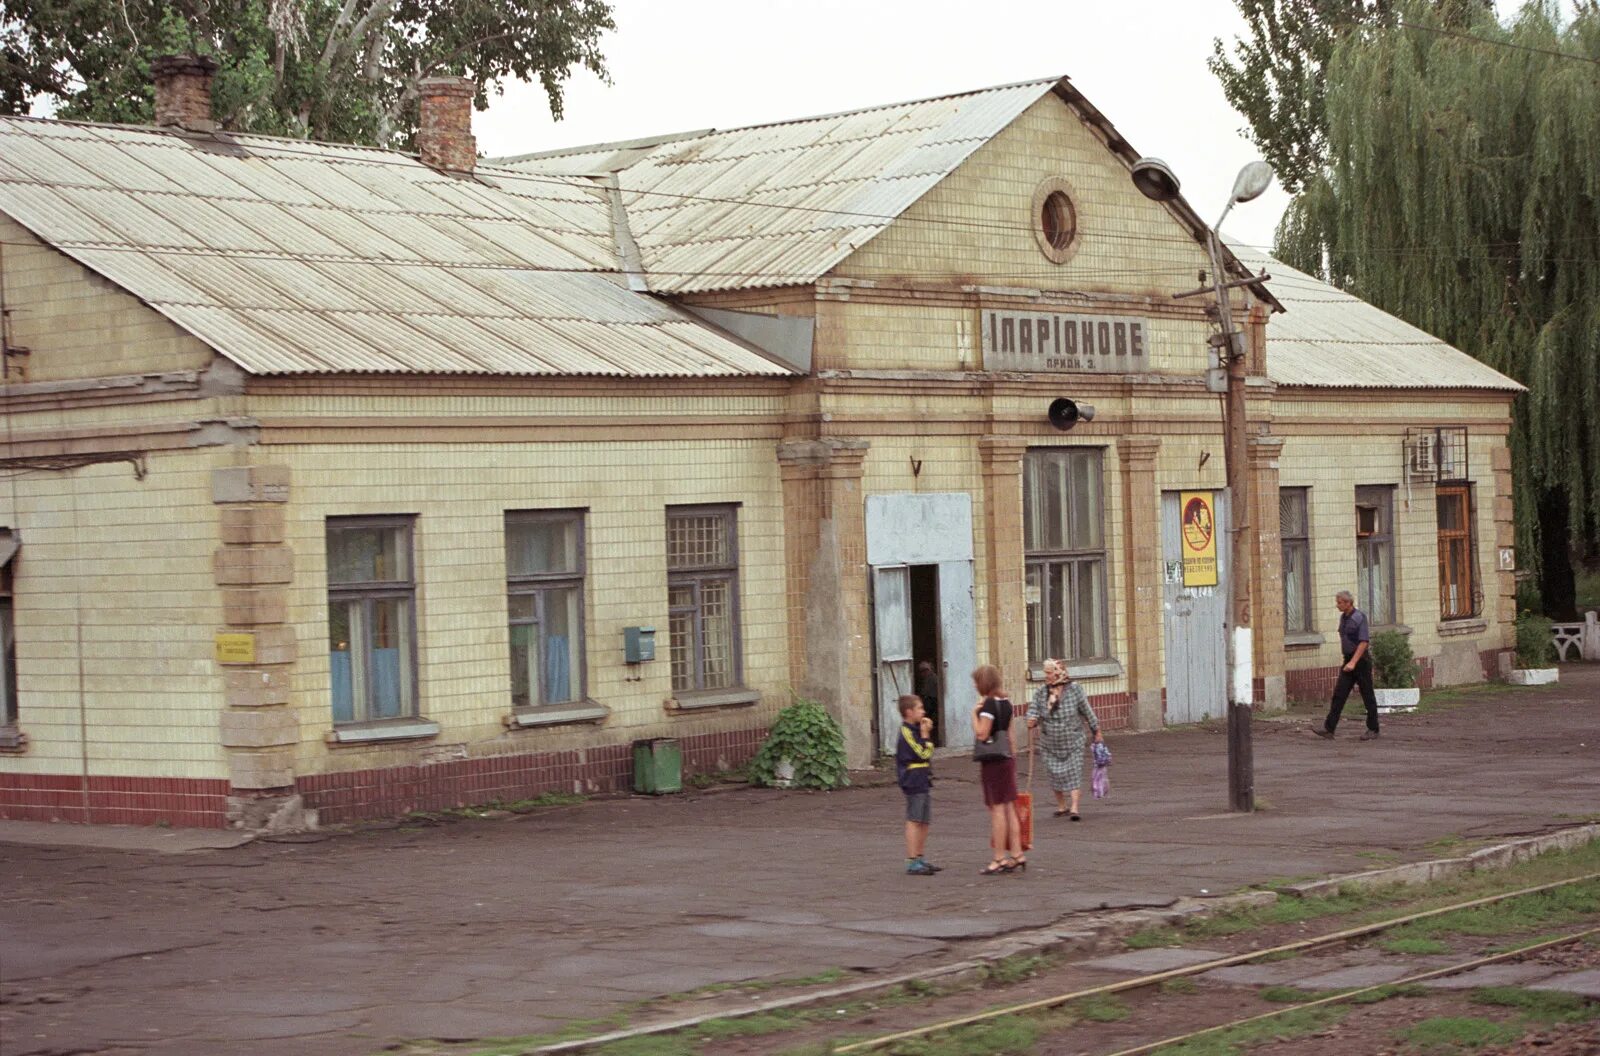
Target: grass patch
(1015,969)
(649,1045)
(1414,945)
(1286,995)
(1150,938)
(1006,1036)
(1455,1033)
(1388,992)
(744,1026)
(1528,913)
(1180,986)
(1382,857)
(1539,1006)
(1232,1042)
(1100,1009)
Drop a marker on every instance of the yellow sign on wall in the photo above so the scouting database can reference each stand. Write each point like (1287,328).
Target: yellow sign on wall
(1197,522)
(236,648)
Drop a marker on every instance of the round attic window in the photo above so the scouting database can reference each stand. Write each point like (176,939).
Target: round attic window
(1055,220)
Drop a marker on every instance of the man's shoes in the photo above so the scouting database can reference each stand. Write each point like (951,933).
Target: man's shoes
(918,867)
(1323,732)
(1370,735)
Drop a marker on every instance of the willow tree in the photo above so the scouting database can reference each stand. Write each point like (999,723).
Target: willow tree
(1462,193)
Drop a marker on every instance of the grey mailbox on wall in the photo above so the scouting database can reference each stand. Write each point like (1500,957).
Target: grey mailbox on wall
(638,644)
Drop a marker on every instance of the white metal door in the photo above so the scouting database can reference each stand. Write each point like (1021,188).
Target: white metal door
(891,614)
(958,646)
(1195,622)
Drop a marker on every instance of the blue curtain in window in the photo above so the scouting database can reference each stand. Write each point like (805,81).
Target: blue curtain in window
(344,706)
(386,683)
(557,669)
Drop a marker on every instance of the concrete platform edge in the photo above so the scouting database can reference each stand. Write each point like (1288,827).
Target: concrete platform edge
(1497,856)
(1095,932)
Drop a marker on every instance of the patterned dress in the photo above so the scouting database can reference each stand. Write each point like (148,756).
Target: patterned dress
(1061,734)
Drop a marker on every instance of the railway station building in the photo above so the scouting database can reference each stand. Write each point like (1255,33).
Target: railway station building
(346,480)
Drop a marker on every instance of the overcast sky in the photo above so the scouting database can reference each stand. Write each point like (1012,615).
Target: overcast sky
(688,64)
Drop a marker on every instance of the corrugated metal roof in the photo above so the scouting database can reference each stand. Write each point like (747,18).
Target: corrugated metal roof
(1330,339)
(291,257)
(686,196)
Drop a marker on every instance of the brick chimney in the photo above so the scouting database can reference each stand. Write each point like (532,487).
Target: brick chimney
(444,135)
(183,91)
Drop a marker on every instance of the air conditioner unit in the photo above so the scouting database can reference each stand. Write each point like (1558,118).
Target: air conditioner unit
(1420,456)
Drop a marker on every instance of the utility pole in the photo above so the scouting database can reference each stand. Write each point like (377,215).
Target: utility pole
(1236,455)
(1156,181)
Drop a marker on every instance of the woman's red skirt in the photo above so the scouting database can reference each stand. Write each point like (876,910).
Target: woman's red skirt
(999,780)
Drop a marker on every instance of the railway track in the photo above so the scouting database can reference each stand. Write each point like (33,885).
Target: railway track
(1344,936)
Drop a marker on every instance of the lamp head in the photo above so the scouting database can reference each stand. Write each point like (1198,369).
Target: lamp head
(1252,180)
(1155,179)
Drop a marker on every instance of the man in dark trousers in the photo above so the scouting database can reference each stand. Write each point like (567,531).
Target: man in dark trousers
(1355,638)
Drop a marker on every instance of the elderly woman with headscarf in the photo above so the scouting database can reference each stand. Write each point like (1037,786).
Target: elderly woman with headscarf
(1059,712)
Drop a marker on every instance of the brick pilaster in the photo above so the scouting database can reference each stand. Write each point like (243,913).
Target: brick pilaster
(1502,594)
(825,551)
(253,568)
(1003,553)
(1141,552)
(1266,560)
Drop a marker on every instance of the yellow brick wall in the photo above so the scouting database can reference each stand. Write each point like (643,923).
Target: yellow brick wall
(127,564)
(459,494)
(977,227)
(78,324)
(1332,452)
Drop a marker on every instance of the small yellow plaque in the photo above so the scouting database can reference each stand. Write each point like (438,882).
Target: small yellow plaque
(236,648)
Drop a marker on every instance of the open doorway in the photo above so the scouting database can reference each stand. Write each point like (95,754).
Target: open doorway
(928,678)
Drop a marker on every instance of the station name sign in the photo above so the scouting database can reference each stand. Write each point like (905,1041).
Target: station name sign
(1098,344)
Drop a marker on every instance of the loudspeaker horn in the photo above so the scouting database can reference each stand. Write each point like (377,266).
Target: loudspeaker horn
(1064,413)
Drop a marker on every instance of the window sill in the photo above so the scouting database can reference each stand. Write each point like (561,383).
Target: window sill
(558,715)
(1465,625)
(719,698)
(1084,672)
(1303,640)
(1399,627)
(12,741)
(384,730)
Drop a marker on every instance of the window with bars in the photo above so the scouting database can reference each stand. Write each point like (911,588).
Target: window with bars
(703,598)
(1294,528)
(1375,572)
(1458,578)
(544,588)
(1063,513)
(372,640)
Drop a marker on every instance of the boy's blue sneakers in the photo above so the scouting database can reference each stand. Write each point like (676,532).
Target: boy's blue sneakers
(918,867)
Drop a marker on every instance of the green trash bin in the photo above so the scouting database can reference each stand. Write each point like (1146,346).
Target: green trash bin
(657,766)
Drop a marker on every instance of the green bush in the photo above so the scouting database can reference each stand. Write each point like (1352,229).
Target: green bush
(1392,664)
(806,735)
(1535,646)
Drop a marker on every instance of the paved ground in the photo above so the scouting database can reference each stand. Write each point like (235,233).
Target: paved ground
(500,927)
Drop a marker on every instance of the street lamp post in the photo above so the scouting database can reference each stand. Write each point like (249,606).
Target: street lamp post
(1156,181)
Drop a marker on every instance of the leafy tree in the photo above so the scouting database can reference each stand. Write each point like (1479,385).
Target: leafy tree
(341,70)
(1462,193)
(1275,79)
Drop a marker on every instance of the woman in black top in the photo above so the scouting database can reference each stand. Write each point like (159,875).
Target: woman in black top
(991,715)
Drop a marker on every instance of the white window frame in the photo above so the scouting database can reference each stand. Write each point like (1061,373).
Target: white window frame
(367,594)
(1082,556)
(541,586)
